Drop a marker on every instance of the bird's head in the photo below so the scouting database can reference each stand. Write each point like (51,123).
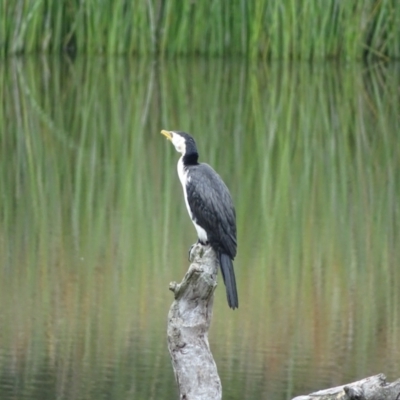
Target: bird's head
(183,144)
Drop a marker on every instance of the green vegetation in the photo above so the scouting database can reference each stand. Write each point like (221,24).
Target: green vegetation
(93,225)
(284,29)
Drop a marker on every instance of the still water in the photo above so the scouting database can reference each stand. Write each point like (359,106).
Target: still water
(93,226)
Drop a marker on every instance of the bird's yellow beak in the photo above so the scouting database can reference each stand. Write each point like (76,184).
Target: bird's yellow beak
(167,134)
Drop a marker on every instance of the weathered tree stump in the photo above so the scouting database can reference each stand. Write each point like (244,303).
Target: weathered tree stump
(189,320)
(195,370)
(372,388)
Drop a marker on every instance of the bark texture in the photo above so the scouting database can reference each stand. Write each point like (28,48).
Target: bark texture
(189,320)
(372,388)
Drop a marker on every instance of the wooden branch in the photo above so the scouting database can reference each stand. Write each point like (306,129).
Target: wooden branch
(372,388)
(189,320)
(195,370)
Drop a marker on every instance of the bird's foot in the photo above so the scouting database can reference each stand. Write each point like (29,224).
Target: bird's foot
(190,257)
(190,252)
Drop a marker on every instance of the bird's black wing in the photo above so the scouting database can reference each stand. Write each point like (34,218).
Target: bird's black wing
(212,207)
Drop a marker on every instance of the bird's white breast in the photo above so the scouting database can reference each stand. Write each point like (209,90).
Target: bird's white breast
(183,177)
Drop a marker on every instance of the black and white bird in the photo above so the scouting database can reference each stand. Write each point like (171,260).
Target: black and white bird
(210,207)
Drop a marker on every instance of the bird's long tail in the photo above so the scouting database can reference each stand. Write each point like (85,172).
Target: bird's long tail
(229,279)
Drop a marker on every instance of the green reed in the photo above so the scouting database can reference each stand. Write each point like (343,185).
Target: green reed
(285,29)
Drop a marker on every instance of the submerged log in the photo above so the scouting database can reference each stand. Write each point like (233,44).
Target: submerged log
(189,320)
(372,388)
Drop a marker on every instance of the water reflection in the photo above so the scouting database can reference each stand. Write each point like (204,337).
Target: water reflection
(93,225)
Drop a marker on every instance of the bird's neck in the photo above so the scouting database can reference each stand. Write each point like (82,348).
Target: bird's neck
(190,158)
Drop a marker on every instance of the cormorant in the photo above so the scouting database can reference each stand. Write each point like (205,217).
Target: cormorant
(210,207)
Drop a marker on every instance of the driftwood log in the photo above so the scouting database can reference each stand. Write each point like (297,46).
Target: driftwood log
(372,388)
(195,370)
(189,320)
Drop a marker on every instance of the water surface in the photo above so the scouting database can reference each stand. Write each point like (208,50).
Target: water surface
(93,225)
